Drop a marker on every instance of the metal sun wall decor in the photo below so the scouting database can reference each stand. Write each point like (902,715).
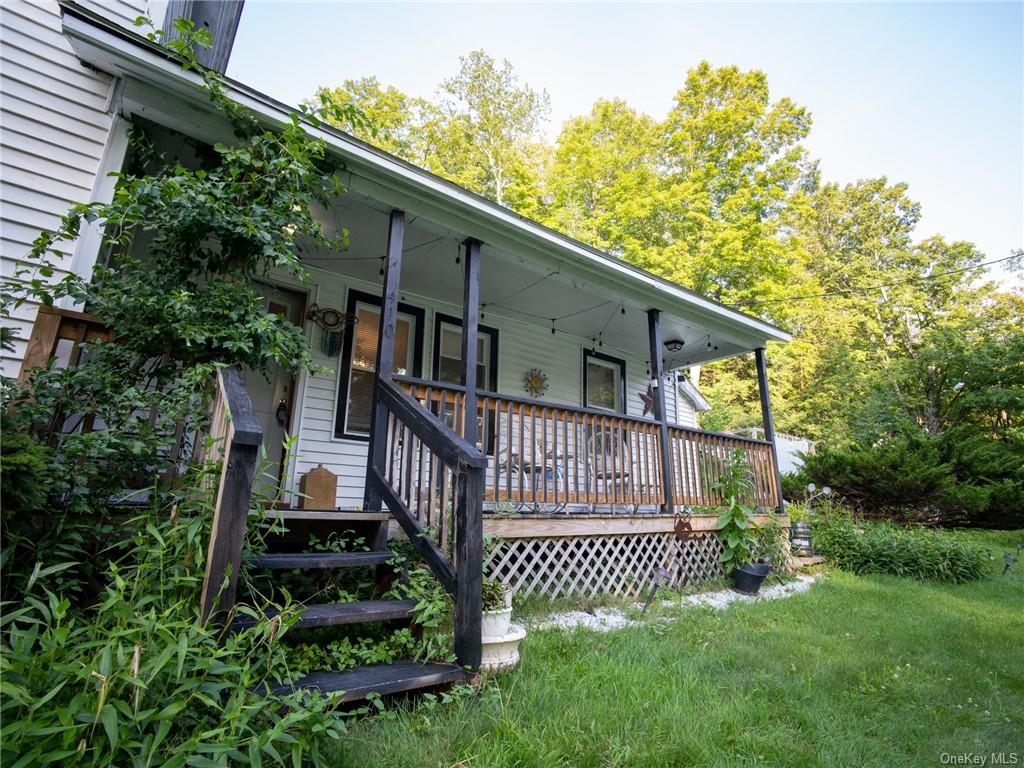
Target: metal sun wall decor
(535,382)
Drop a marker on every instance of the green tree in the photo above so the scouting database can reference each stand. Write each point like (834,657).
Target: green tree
(732,160)
(393,120)
(603,183)
(488,129)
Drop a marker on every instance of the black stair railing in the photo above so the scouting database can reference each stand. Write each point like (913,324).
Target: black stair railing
(432,481)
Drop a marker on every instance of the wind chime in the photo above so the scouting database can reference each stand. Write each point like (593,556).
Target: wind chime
(332,324)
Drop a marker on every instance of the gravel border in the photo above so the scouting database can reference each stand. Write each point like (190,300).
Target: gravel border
(609,619)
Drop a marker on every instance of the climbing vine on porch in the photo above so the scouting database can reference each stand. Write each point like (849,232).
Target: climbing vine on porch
(105,661)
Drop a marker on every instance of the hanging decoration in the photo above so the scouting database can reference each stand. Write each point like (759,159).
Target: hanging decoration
(535,382)
(333,324)
(648,399)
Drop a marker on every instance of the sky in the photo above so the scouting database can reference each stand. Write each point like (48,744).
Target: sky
(931,94)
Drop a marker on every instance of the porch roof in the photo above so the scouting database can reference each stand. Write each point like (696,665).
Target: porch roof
(155,87)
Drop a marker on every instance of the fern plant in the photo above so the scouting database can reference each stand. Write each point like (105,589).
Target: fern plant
(737,522)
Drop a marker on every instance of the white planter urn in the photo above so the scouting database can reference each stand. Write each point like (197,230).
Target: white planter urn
(495,623)
(500,638)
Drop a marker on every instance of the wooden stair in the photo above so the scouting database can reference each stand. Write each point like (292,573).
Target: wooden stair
(357,683)
(290,560)
(383,679)
(336,614)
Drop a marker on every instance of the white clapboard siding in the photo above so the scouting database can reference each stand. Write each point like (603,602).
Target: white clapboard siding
(54,125)
(521,346)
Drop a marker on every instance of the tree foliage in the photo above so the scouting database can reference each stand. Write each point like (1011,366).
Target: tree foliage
(892,333)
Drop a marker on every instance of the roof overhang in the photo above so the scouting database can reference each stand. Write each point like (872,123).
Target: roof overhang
(156,87)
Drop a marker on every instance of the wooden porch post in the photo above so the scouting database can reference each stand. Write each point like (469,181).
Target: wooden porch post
(769,423)
(375,456)
(470,325)
(469,520)
(660,414)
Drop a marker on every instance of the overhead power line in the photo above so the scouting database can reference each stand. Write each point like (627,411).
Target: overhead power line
(878,287)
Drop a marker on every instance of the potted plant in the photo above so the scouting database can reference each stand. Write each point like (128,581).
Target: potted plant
(497,609)
(737,527)
(500,637)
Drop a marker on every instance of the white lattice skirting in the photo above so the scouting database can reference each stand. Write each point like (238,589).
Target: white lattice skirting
(589,565)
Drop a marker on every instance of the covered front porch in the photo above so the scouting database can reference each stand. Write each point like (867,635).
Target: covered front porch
(578,398)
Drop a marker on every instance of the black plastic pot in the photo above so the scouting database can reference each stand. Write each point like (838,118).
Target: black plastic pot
(747,578)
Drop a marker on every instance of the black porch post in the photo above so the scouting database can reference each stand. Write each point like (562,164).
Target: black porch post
(469,520)
(385,354)
(660,414)
(769,423)
(470,325)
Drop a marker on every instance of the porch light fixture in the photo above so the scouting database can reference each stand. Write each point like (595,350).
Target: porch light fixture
(674,345)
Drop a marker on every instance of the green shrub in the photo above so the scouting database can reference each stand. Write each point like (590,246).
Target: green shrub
(896,474)
(915,553)
(956,478)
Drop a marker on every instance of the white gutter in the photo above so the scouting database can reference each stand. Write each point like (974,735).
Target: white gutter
(124,54)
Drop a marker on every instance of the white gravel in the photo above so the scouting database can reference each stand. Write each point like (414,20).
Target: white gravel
(607,619)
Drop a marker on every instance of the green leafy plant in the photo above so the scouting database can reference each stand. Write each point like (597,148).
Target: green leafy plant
(138,680)
(494,595)
(912,552)
(737,524)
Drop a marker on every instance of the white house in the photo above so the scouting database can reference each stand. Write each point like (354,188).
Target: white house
(590,441)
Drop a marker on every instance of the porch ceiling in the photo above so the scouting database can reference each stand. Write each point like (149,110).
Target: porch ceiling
(513,286)
(515,247)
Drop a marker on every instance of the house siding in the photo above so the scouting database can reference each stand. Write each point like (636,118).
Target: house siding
(56,120)
(521,346)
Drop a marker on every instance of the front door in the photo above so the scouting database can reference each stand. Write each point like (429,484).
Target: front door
(273,395)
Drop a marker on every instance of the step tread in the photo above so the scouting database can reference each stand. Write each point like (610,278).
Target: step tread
(287,560)
(359,682)
(321,515)
(331,614)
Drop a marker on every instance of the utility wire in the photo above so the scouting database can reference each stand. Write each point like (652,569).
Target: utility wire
(845,291)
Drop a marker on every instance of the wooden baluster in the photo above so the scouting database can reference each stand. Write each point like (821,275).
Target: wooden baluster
(510,447)
(543,452)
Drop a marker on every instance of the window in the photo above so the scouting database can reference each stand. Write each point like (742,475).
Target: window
(448,364)
(359,358)
(604,381)
(448,353)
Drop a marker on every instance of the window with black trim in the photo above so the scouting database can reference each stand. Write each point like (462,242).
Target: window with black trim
(448,362)
(359,359)
(604,381)
(448,353)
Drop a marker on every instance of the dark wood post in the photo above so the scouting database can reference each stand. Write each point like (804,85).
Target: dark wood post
(385,355)
(660,414)
(469,519)
(769,422)
(469,567)
(470,330)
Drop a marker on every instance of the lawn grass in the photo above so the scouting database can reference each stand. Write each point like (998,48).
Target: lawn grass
(860,671)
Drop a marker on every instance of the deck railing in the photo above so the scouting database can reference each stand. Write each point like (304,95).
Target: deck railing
(699,460)
(547,456)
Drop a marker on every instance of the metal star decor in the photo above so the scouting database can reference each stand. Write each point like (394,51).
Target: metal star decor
(648,400)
